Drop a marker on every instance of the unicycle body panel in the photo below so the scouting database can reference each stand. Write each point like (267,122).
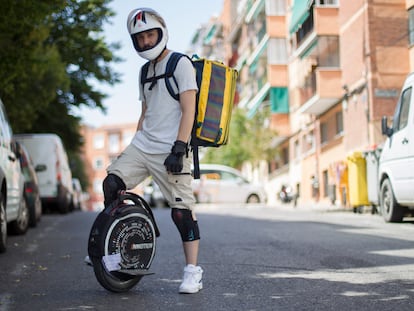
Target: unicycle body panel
(122,243)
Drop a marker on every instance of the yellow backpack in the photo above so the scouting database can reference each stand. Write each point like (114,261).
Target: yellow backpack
(215,98)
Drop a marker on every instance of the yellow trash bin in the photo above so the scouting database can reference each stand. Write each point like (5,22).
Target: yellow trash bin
(357,180)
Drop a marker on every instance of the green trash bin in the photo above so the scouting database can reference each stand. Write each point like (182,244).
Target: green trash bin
(357,180)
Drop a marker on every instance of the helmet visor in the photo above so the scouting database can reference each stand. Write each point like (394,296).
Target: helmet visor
(146,40)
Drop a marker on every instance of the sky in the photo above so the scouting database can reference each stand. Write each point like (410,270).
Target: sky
(183,17)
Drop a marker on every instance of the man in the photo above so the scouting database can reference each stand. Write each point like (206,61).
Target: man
(160,145)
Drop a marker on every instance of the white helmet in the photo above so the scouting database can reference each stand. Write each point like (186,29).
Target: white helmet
(144,19)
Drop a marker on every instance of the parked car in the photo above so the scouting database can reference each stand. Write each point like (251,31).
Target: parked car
(396,163)
(14,213)
(31,185)
(223,184)
(52,168)
(77,194)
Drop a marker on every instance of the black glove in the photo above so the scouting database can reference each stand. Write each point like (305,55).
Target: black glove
(174,161)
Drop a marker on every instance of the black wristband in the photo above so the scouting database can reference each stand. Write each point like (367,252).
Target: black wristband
(179,147)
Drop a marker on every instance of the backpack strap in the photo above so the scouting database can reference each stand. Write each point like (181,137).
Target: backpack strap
(196,162)
(169,73)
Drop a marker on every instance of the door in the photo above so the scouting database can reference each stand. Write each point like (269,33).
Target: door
(11,167)
(401,149)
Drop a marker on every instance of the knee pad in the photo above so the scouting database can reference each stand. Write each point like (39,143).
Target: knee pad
(112,184)
(186,225)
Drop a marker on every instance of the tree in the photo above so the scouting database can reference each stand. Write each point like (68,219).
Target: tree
(250,141)
(30,70)
(52,54)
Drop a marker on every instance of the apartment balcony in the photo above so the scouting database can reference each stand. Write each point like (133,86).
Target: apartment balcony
(317,21)
(278,75)
(325,20)
(322,91)
(276,26)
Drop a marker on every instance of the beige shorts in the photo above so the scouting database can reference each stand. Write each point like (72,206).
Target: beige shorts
(133,166)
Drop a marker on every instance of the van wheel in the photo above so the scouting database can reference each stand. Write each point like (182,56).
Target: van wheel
(391,211)
(21,224)
(3,226)
(253,198)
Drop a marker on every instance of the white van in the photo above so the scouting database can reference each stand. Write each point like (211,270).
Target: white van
(396,163)
(52,168)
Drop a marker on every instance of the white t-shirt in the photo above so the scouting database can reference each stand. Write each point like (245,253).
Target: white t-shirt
(163,113)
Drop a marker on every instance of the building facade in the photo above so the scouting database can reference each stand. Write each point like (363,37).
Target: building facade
(101,146)
(328,70)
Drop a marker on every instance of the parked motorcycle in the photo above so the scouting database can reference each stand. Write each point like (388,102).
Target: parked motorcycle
(286,194)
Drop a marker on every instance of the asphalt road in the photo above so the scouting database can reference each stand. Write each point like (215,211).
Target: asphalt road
(254,258)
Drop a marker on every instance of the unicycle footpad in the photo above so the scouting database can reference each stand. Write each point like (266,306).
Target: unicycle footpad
(122,243)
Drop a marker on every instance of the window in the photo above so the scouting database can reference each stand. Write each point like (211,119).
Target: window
(230,177)
(324,132)
(339,123)
(98,163)
(98,141)
(127,137)
(277,51)
(327,2)
(411,26)
(276,7)
(328,51)
(401,119)
(97,186)
(114,143)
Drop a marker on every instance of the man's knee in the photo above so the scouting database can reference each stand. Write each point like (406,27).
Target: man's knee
(186,225)
(112,184)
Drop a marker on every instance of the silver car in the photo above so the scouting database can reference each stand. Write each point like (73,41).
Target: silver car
(223,184)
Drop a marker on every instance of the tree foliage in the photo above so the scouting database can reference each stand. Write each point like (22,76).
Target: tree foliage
(52,54)
(250,140)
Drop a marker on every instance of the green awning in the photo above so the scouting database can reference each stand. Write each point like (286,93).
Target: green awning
(310,49)
(254,104)
(254,11)
(300,13)
(253,67)
(242,61)
(259,50)
(279,100)
(210,34)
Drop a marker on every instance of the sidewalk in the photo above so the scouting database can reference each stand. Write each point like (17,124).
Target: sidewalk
(323,207)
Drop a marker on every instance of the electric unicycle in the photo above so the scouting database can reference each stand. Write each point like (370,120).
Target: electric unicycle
(121,243)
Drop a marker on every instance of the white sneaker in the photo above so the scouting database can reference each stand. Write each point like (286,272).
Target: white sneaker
(191,280)
(88,261)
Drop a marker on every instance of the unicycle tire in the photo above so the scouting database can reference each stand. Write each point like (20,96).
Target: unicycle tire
(128,232)
(115,282)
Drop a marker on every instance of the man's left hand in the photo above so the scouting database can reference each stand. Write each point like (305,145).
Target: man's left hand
(174,162)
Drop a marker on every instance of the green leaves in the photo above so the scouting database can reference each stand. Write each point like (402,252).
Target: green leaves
(250,140)
(53,54)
